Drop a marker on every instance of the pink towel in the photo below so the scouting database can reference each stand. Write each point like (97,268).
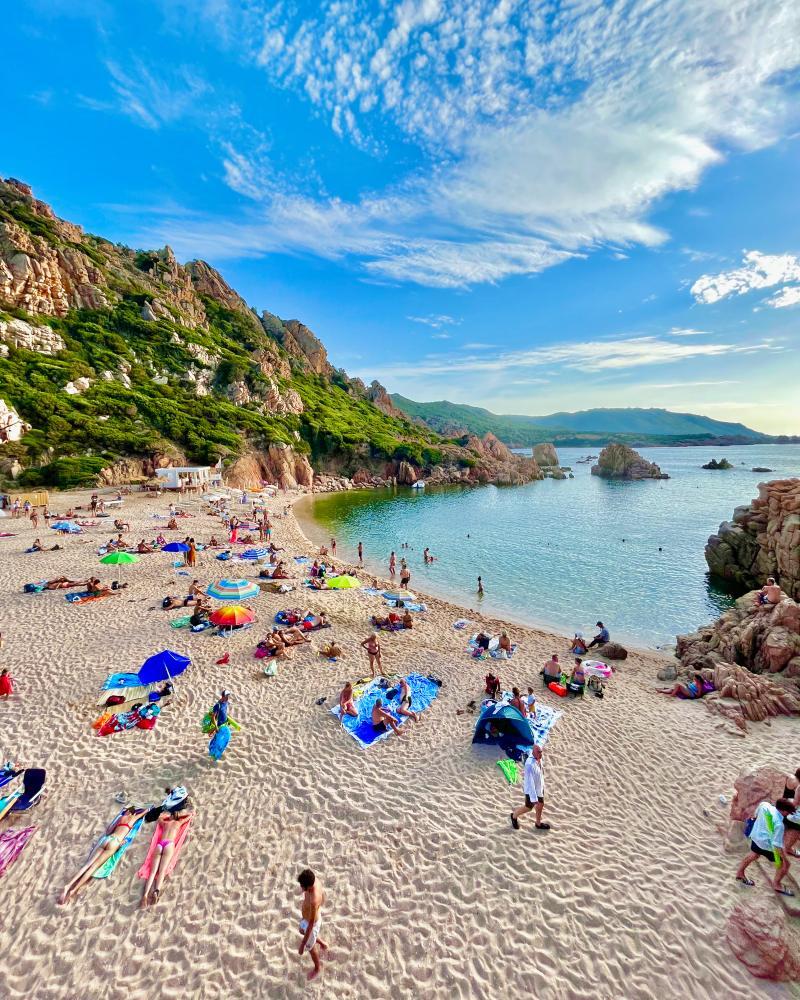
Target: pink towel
(12,844)
(147,864)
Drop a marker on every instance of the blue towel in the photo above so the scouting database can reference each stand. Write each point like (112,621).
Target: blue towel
(219,741)
(121,681)
(423,691)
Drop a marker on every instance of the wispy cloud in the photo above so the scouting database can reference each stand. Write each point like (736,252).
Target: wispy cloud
(151,100)
(546,135)
(441,336)
(436,321)
(588,356)
(681,331)
(687,385)
(758,271)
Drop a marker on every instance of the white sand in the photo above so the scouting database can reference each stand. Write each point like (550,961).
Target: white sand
(430,893)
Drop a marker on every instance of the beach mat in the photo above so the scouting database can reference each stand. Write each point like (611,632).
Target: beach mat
(12,844)
(423,692)
(108,866)
(147,864)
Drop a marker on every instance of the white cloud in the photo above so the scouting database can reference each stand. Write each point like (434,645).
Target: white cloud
(434,320)
(680,331)
(544,134)
(789,296)
(758,271)
(153,101)
(441,336)
(247,175)
(588,356)
(478,347)
(686,385)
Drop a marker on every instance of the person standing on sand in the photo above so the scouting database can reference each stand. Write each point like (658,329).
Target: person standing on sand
(311,922)
(373,648)
(333,546)
(6,684)
(766,841)
(360,554)
(392,564)
(533,786)
(405,574)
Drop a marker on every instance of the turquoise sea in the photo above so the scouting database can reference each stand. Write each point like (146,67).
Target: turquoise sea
(566,553)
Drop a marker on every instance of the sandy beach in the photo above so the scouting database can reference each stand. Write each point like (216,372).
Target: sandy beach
(430,891)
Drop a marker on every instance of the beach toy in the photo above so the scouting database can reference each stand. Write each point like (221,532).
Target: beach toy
(558,689)
(510,771)
(597,668)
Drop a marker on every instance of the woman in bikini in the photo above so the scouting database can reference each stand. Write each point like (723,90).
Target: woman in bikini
(169,826)
(108,844)
(346,703)
(373,648)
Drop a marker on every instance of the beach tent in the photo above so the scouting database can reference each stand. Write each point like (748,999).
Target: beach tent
(503,725)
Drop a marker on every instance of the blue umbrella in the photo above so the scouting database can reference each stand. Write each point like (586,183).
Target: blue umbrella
(175,547)
(67,526)
(162,666)
(254,554)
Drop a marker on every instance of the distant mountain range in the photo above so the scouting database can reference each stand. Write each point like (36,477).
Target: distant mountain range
(585,427)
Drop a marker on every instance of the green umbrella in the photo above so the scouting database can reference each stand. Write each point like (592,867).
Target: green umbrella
(119,559)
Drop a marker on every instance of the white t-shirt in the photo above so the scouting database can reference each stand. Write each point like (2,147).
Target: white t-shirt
(768,828)
(533,779)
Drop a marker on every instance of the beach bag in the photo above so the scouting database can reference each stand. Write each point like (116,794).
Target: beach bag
(748,827)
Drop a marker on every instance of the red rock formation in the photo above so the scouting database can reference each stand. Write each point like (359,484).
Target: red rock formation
(759,937)
(763,539)
(279,464)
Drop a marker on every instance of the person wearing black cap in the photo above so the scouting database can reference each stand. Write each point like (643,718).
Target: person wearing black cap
(602,636)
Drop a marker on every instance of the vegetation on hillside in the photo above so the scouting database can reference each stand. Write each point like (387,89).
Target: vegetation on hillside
(74,436)
(586,428)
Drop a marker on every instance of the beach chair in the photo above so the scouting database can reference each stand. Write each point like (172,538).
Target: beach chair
(33,780)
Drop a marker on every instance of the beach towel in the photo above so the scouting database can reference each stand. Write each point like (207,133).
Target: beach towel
(423,692)
(12,844)
(300,560)
(461,623)
(406,605)
(372,591)
(181,622)
(126,680)
(84,598)
(546,718)
(202,626)
(108,866)
(219,742)
(510,770)
(149,861)
(8,801)
(35,588)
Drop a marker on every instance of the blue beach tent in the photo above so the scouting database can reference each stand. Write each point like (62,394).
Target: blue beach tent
(503,725)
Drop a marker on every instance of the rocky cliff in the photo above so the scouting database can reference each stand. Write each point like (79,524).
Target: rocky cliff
(762,540)
(116,361)
(618,461)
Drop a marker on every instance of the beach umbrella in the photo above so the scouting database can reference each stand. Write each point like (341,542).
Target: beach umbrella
(254,554)
(162,666)
(119,559)
(233,590)
(343,582)
(175,547)
(399,595)
(69,526)
(231,616)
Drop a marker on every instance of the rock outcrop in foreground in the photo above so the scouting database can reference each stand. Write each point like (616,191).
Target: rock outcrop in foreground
(758,935)
(762,540)
(618,461)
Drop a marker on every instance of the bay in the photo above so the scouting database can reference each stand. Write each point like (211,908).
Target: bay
(565,553)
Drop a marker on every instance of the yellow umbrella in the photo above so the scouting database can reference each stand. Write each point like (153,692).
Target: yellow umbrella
(343,582)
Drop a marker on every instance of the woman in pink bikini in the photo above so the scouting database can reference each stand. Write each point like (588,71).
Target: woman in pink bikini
(168,833)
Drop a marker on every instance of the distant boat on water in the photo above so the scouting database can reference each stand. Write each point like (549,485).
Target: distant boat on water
(418,485)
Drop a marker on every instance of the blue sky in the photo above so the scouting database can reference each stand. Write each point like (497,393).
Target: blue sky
(529,207)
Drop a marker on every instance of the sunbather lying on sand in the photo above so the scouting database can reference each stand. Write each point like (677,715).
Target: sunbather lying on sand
(63,583)
(695,688)
(96,589)
(167,832)
(293,636)
(169,602)
(108,844)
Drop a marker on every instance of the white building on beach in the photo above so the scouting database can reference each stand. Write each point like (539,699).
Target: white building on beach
(192,477)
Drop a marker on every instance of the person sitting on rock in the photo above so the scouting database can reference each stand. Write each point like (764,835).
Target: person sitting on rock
(769,595)
(602,636)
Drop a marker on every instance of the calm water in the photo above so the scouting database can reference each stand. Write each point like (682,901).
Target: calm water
(566,553)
